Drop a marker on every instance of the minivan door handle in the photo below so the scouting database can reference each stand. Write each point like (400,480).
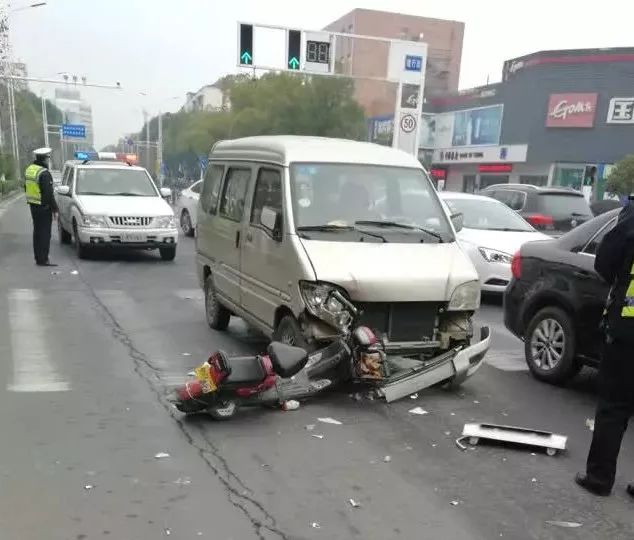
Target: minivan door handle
(237,239)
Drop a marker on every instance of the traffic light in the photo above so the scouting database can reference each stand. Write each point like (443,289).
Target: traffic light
(246,45)
(294,50)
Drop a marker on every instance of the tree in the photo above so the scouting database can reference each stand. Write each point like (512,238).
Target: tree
(621,179)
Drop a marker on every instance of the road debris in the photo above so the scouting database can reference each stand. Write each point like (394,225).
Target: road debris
(357,396)
(565,524)
(315,525)
(186,354)
(290,405)
(317,436)
(447,433)
(408,447)
(387,459)
(55,273)
(459,443)
(476,402)
(310,427)
(354,503)
(418,410)
(74,272)
(455,503)
(590,424)
(184,481)
(533,480)
(161,455)
(88,486)
(329,420)
(413,396)
(167,531)
(552,442)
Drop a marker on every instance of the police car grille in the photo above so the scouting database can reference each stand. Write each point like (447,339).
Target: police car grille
(130,221)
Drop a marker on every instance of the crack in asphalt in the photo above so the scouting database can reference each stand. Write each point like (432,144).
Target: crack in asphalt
(237,497)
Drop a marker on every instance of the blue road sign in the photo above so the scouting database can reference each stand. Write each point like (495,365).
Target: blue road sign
(203,161)
(413,63)
(76,131)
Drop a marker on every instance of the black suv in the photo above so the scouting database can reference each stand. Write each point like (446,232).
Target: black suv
(555,301)
(553,211)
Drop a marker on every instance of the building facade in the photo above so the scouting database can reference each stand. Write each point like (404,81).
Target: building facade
(208,98)
(364,58)
(556,118)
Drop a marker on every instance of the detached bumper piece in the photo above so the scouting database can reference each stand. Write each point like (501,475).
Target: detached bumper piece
(456,365)
(552,442)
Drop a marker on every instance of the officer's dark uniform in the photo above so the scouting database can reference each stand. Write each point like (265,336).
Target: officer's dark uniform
(39,195)
(615,264)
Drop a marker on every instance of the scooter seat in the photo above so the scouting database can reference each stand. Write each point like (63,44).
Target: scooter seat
(245,369)
(286,360)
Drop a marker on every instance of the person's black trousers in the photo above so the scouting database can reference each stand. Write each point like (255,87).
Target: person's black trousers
(614,408)
(42,222)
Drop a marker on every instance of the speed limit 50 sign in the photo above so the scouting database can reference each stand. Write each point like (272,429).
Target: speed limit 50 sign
(408,123)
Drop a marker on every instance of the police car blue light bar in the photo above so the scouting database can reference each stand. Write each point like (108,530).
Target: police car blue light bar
(106,156)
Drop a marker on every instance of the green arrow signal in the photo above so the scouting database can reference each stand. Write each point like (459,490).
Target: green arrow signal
(293,63)
(246,57)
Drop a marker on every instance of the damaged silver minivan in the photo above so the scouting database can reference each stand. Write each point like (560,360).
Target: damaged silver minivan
(283,220)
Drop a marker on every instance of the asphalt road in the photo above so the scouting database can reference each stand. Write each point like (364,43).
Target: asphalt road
(85,361)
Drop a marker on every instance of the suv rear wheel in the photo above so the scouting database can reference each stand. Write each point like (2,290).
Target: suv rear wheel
(549,346)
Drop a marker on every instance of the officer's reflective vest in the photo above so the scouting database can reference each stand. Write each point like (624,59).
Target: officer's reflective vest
(628,306)
(32,185)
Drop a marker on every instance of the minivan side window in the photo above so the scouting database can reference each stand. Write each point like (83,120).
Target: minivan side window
(234,193)
(211,188)
(268,192)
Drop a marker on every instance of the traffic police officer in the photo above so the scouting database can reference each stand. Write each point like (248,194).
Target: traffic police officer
(39,194)
(615,264)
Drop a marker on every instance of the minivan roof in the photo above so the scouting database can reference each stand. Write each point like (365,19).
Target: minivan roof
(287,149)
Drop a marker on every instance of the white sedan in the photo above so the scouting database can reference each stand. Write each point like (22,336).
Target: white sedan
(491,235)
(185,208)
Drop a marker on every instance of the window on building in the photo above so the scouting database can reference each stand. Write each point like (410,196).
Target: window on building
(487,180)
(534,180)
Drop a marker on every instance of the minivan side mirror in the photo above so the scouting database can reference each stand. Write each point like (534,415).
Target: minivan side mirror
(458,221)
(271,220)
(166,193)
(62,190)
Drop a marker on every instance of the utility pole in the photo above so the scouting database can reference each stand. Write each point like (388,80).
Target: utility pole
(45,120)
(159,151)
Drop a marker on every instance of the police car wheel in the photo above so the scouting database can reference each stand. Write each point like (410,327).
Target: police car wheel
(549,346)
(64,237)
(168,253)
(80,249)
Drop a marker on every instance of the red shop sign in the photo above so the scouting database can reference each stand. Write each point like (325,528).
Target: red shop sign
(496,168)
(439,174)
(571,110)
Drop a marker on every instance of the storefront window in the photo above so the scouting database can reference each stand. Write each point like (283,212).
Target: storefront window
(534,180)
(468,183)
(487,180)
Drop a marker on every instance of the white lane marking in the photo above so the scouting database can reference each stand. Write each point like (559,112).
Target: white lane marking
(506,360)
(33,370)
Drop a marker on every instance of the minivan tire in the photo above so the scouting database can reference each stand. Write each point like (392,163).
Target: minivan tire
(550,337)
(168,253)
(64,237)
(217,315)
(289,332)
(186,223)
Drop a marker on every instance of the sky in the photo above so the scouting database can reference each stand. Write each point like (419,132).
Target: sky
(165,48)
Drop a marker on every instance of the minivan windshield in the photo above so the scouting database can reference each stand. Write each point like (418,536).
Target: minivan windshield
(393,199)
(112,181)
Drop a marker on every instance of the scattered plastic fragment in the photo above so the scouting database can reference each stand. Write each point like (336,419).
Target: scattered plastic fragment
(354,503)
(74,272)
(413,396)
(88,486)
(452,414)
(387,459)
(329,420)
(315,525)
(533,454)
(317,436)
(476,401)
(533,480)
(418,410)
(184,481)
(186,354)
(290,405)
(565,524)
(191,374)
(310,427)
(434,445)
(357,396)
(168,532)
(590,423)
(447,433)
(459,443)
(199,533)
(505,414)
(455,503)
(161,455)
(54,273)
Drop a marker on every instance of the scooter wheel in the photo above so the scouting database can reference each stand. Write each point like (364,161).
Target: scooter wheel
(224,411)
(551,452)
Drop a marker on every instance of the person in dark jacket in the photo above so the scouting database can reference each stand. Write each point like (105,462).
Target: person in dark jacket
(615,264)
(40,197)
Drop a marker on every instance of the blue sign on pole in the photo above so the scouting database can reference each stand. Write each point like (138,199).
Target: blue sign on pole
(203,161)
(413,63)
(76,131)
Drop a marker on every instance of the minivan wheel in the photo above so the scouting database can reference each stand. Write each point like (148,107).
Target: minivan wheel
(289,332)
(549,346)
(186,223)
(217,315)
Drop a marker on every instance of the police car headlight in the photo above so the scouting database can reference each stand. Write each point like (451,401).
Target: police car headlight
(94,221)
(465,297)
(495,256)
(165,222)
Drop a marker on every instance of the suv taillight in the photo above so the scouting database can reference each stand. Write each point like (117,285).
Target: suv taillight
(516,265)
(540,221)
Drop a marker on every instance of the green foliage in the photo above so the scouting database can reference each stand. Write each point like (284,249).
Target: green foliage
(275,104)
(621,179)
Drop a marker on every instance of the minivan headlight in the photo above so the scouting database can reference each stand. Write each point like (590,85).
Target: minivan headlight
(321,304)
(165,222)
(465,297)
(94,221)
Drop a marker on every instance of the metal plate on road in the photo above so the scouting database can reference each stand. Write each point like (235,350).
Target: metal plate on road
(408,123)
(131,237)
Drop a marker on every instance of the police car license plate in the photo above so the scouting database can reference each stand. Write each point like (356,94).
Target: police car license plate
(132,237)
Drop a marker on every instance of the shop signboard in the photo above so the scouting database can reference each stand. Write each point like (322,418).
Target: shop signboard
(571,110)
(621,111)
(479,126)
(510,153)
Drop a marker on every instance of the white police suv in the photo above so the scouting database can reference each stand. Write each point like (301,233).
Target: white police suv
(106,201)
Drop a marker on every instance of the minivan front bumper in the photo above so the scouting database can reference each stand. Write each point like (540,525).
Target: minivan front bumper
(454,366)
